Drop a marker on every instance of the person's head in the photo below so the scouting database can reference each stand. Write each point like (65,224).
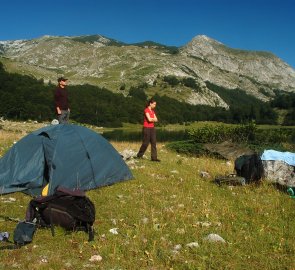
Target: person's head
(152,103)
(62,82)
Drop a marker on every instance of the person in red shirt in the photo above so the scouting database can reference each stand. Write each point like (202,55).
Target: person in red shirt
(149,131)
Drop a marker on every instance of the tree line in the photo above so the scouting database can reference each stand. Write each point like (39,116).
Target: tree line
(23,97)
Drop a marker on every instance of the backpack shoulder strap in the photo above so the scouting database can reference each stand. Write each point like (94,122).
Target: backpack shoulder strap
(65,191)
(51,221)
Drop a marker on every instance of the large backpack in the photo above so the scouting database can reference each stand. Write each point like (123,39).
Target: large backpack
(250,167)
(71,210)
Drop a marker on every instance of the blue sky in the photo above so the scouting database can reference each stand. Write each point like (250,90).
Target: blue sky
(260,25)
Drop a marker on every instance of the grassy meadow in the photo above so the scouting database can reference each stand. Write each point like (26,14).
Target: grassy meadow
(162,218)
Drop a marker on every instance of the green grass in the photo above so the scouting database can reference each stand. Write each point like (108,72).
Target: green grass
(167,204)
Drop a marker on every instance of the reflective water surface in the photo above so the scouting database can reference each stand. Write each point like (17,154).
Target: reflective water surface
(163,135)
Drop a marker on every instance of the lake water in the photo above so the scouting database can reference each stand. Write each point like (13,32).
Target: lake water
(162,135)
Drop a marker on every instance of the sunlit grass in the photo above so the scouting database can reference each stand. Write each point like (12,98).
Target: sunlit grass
(165,207)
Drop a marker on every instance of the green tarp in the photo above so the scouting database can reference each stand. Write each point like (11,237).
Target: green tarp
(63,155)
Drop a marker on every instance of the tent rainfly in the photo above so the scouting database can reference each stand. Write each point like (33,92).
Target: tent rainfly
(61,155)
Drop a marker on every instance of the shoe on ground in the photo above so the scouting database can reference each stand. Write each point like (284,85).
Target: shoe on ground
(157,160)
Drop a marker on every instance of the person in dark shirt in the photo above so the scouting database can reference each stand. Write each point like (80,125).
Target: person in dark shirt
(61,101)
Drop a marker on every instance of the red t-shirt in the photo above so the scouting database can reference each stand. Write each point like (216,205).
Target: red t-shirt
(146,122)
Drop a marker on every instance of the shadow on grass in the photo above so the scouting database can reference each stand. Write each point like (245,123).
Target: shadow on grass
(9,247)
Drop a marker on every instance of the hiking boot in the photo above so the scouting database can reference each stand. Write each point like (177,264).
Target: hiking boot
(157,160)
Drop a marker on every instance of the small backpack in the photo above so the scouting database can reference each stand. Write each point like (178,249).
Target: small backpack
(250,167)
(69,209)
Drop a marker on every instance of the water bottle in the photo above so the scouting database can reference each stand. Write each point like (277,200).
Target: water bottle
(291,192)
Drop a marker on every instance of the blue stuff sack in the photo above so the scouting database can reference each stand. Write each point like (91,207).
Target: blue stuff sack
(23,233)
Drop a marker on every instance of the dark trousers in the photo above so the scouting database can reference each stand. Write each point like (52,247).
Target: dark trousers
(63,118)
(149,136)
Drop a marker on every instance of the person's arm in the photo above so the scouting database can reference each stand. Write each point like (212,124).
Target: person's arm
(148,117)
(58,110)
(57,101)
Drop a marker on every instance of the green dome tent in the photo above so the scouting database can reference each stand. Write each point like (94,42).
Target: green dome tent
(61,155)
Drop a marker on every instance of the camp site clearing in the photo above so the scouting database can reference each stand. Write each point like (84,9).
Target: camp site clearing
(161,219)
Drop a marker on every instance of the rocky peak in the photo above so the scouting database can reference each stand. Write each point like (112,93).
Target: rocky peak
(263,67)
(202,46)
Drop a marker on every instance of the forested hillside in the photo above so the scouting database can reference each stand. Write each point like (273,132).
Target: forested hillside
(23,97)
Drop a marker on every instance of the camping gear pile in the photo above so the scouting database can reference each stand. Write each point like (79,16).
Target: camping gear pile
(61,162)
(274,166)
(248,168)
(279,167)
(70,209)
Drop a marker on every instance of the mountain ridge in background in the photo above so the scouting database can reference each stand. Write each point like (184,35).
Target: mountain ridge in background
(117,66)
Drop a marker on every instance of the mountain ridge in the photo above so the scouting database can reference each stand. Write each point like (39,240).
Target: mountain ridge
(105,62)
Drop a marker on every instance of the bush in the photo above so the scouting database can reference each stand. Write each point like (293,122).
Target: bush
(274,136)
(280,139)
(190,82)
(171,80)
(220,133)
(187,147)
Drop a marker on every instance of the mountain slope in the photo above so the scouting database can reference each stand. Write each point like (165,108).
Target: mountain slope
(251,71)
(117,66)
